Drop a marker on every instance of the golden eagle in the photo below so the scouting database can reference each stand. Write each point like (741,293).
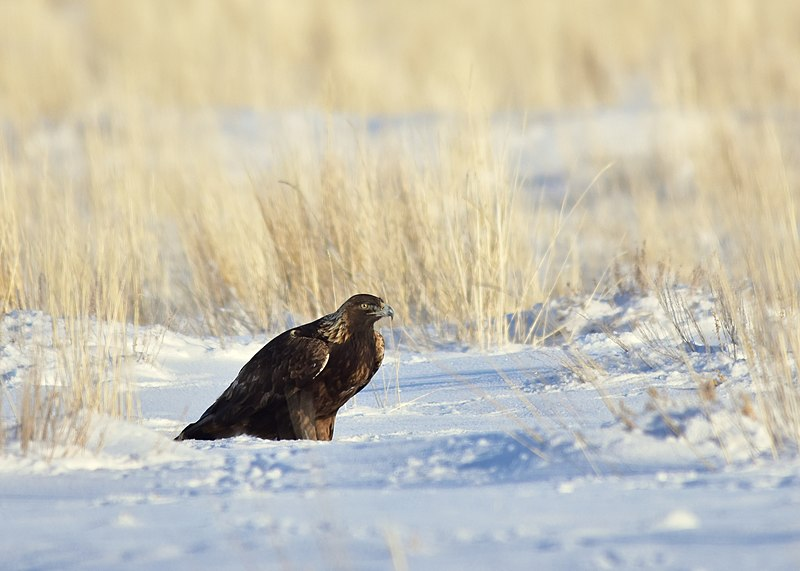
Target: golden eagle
(293,387)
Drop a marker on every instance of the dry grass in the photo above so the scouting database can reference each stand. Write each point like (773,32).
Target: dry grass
(139,220)
(76,254)
(76,368)
(363,55)
(765,212)
(732,210)
(452,243)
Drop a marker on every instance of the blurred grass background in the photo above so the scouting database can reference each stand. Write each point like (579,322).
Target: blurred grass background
(106,185)
(378,56)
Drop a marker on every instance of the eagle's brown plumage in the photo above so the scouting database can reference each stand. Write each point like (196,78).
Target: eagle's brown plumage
(293,387)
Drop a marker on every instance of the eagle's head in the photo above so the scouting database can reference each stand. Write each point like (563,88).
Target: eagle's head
(365,309)
(356,315)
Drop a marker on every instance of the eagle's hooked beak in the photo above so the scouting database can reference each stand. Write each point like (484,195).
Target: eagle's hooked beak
(386,311)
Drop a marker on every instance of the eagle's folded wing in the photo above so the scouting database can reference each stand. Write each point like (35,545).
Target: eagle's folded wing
(288,363)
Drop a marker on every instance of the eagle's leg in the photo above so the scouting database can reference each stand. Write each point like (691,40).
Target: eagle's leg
(325,427)
(302,412)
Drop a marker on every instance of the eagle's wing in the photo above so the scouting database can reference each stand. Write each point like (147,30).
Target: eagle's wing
(284,366)
(288,362)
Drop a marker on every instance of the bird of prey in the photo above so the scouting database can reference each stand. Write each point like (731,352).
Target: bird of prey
(293,387)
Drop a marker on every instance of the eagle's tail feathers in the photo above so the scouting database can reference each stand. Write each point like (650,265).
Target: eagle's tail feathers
(207,429)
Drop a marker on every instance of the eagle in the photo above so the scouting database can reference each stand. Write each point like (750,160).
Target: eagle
(294,386)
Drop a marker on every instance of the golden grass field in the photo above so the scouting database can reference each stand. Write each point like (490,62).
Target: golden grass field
(155,230)
(367,56)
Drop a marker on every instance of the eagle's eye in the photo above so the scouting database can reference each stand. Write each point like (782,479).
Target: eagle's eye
(364,306)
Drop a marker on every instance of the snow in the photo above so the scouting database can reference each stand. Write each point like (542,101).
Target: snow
(450,459)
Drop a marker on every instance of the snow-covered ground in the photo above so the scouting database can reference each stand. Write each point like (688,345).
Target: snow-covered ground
(450,459)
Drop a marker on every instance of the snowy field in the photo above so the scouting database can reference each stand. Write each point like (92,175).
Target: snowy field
(525,458)
(584,214)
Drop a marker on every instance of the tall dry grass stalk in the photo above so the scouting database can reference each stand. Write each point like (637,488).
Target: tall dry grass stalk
(361,55)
